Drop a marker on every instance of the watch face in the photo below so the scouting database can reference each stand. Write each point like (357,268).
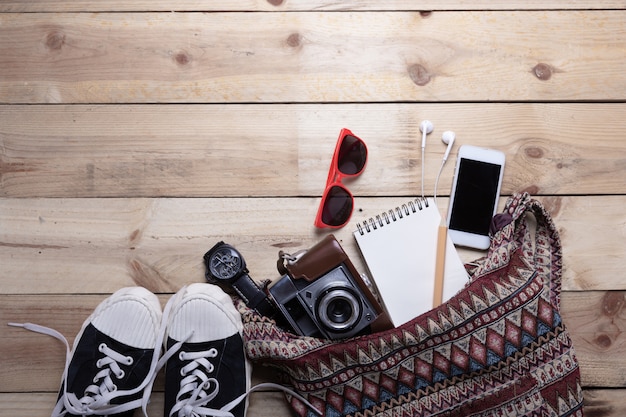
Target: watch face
(225,263)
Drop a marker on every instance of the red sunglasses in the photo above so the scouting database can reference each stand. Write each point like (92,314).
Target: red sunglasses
(348,161)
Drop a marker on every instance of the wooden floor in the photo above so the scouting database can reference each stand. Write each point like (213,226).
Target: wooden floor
(136,134)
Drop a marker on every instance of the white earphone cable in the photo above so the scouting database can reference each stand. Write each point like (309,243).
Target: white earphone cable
(422,172)
(437,180)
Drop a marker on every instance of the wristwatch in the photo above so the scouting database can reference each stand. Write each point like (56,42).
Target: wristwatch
(225,265)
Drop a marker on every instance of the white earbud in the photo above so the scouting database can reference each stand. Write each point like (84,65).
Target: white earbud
(426,127)
(448,138)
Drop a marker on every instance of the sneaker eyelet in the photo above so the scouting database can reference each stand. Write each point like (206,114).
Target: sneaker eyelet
(102,347)
(182,356)
(99,363)
(121,374)
(129,360)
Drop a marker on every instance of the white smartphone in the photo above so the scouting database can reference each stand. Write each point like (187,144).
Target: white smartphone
(474,197)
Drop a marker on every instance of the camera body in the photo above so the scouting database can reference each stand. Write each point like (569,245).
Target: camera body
(321,294)
(332,306)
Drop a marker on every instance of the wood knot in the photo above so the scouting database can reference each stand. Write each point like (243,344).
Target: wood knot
(612,303)
(553,205)
(135,237)
(426,13)
(294,40)
(182,58)
(603,341)
(282,245)
(275,2)
(55,40)
(534,152)
(542,71)
(419,74)
(531,189)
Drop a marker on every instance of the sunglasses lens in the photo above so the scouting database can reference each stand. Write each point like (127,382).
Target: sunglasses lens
(337,207)
(352,155)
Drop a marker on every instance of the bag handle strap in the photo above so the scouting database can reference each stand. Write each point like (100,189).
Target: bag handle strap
(544,252)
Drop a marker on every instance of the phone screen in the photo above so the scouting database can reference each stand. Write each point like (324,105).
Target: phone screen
(475,196)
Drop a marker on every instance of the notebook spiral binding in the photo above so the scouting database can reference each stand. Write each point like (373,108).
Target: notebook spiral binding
(392,215)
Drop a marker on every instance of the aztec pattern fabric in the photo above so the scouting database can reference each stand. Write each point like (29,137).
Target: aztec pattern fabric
(497,348)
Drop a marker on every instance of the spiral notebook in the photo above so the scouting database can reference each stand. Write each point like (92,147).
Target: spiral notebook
(399,248)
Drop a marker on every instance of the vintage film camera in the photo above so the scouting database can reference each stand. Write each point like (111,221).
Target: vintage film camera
(320,293)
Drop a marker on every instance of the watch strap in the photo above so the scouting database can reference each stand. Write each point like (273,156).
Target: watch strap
(253,296)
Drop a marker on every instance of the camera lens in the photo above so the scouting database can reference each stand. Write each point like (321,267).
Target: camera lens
(339,309)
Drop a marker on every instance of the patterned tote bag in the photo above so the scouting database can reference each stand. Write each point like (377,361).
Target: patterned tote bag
(497,348)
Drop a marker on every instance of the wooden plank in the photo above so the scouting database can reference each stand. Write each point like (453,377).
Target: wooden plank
(596,321)
(324,57)
(261,404)
(598,403)
(298,5)
(52,246)
(32,362)
(604,403)
(213,150)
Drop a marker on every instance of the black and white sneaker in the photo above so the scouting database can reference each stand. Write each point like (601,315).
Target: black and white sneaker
(207,372)
(111,366)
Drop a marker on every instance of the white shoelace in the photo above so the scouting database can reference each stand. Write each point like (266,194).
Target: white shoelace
(196,387)
(196,390)
(97,397)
